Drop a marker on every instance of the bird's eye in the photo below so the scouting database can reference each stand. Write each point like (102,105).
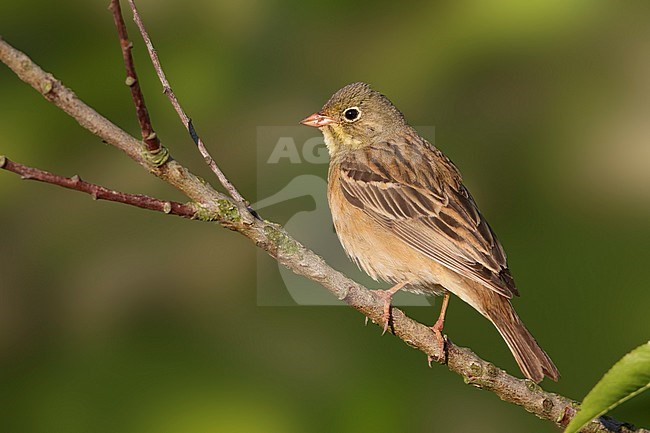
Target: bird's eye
(351,114)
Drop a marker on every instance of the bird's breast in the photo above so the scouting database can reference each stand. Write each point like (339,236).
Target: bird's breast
(379,252)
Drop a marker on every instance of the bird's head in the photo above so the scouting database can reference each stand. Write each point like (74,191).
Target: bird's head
(355,117)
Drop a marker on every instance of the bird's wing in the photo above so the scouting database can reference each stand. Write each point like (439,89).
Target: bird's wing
(414,191)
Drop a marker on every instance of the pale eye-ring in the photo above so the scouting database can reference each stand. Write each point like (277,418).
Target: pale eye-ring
(352,114)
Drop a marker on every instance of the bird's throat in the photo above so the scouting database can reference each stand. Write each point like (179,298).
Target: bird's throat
(338,142)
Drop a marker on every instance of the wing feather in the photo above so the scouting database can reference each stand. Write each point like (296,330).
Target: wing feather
(410,188)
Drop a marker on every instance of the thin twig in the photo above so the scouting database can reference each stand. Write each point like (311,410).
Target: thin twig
(181,113)
(273,239)
(61,96)
(148,134)
(98,192)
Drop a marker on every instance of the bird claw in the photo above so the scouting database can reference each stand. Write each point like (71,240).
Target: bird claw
(437,330)
(386,319)
(442,345)
(387,307)
(387,296)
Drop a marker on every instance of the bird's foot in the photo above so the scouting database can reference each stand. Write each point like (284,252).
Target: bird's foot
(437,330)
(442,342)
(442,350)
(386,296)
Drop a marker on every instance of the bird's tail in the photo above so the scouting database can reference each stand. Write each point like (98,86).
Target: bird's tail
(531,358)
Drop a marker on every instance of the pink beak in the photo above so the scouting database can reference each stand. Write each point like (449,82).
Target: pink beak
(317,120)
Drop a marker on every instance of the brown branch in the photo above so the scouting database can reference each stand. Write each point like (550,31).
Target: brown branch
(59,95)
(98,192)
(167,89)
(148,134)
(290,253)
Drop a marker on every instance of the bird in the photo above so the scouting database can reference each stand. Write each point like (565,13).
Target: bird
(402,213)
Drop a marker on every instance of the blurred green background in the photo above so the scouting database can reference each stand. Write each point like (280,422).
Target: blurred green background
(119,319)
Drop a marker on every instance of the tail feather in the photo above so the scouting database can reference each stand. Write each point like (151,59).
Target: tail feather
(531,358)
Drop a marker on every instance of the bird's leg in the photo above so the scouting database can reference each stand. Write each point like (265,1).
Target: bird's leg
(387,296)
(440,323)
